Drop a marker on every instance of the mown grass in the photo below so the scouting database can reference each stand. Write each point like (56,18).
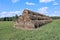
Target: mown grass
(49,31)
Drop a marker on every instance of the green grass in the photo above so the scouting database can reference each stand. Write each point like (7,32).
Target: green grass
(49,31)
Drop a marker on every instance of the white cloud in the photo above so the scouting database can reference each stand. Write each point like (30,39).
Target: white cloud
(43,10)
(55,13)
(14,1)
(55,3)
(10,13)
(45,1)
(30,3)
(48,12)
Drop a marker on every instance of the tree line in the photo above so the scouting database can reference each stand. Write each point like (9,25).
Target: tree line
(9,18)
(16,17)
(55,17)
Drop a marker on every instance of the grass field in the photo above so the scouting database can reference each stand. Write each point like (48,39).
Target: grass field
(49,31)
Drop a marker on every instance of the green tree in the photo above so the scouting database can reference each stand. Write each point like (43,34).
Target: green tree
(16,17)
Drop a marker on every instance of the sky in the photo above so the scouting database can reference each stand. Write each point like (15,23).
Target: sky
(10,8)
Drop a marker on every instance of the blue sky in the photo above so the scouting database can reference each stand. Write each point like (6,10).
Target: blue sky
(13,7)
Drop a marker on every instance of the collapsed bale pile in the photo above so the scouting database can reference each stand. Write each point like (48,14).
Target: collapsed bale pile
(31,20)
